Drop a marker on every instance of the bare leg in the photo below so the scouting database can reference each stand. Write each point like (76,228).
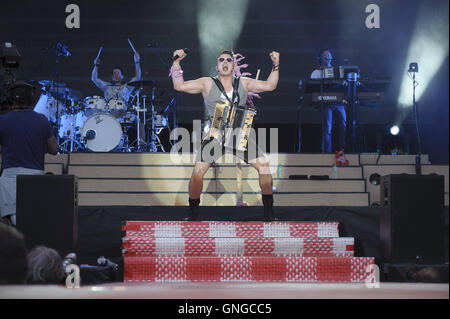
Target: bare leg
(195,189)
(265,177)
(196,182)
(261,164)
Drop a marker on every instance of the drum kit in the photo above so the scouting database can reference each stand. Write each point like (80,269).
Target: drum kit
(98,125)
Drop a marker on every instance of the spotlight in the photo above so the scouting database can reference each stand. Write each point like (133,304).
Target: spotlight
(220,24)
(428,47)
(394,130)
(374,179)
(395,140)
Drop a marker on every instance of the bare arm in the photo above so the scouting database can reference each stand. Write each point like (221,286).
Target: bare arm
(192,86)
(271,83)
(52,145)
(137,63)
(99,83)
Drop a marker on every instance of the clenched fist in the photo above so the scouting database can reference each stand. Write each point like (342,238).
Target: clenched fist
(275,57)
(181,55)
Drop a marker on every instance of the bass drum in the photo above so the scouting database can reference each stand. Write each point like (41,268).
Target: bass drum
(102,132)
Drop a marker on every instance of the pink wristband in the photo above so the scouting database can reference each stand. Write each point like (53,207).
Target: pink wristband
(176,72)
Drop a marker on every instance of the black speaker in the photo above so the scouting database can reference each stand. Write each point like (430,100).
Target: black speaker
(412,218)
(47,211)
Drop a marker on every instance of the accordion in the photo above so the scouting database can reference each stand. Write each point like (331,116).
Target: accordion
(231,126)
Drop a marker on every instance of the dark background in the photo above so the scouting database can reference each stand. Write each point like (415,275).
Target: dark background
(297,29)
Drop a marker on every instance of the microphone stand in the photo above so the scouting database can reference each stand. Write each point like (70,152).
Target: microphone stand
(58,53)
(419,156)
(57,93)
(174,101)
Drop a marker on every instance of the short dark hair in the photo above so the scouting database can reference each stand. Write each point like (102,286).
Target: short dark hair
(13,256)
(22,93)
(227,52)
(117,68)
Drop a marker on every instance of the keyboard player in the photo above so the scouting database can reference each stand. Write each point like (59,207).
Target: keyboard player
(325,59)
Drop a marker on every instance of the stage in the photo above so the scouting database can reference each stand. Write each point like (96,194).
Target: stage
(125,86)
(224,291)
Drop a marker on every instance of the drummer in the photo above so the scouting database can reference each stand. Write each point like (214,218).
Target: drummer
(117,89)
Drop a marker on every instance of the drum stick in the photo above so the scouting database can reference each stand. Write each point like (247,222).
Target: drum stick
(255,79)
(99,52)
(257,75)
(131,44)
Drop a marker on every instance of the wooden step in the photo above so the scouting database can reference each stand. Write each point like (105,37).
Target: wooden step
(54,168)
(371,159)
(186,159)
(221,199)
(221,186)
(353,172)
(134,171)
(219,171)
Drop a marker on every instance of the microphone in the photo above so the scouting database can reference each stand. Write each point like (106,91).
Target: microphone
(176,56)
(63,49)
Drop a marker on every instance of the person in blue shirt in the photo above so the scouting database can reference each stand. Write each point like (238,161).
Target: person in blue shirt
(25,137)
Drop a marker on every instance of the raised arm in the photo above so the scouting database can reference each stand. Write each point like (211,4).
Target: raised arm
(257,86)
(137,63)
(192,86)
(99,83)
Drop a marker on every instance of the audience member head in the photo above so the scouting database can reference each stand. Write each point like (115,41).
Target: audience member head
(428,274)
(22,95)
(13,256)
(44,266)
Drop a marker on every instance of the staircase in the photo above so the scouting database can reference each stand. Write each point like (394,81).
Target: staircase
(239,252)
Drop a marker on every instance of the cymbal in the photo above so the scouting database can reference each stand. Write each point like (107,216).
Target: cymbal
(50,83)
(64,93)
(143,83)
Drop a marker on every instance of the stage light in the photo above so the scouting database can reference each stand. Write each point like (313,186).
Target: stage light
(219,26)
(395,140)
(374,179)
(413,67)
(428,48)
(394,130)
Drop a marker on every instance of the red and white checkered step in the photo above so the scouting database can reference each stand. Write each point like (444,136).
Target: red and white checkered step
(209,247)
(230,229)
(246,269)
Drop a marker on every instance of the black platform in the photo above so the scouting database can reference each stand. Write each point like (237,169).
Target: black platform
(100,227)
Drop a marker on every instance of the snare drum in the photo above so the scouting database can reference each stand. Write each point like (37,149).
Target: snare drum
(102,133)
(117,107)
(94,104)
